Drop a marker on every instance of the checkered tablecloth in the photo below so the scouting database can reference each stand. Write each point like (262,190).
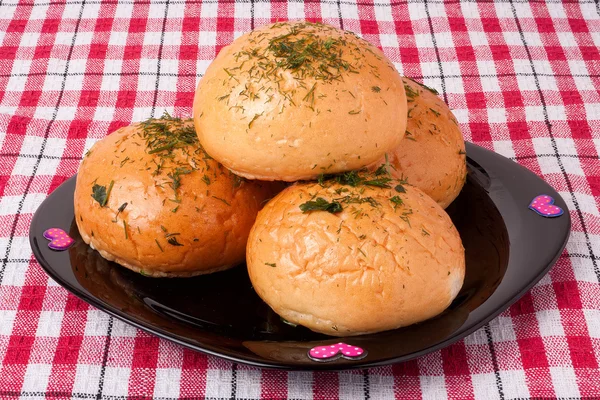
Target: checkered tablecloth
(523,78)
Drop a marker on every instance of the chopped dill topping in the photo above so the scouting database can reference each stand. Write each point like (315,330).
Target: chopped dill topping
(220,199)
(382,170)
(320,204)
(376,89)
(300,52)
(101,194)
(437,114)
(175,145)
(381,182)
(432,90)
(397,201)
(254,119)
(119,211)
(271,264)
(410,92)
(404,217)
(173,241)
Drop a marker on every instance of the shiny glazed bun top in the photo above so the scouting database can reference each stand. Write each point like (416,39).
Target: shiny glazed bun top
(292,100)
(149,198)
(355,254)
(432,154)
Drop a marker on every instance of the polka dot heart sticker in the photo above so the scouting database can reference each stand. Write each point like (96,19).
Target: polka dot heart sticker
(59,240)
(544,206)
(335,351)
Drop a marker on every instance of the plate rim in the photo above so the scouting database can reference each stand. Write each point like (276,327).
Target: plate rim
(281,365)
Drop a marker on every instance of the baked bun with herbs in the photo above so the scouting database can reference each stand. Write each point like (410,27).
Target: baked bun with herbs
(432,154)
(355,254)
(292,100)
(149,198)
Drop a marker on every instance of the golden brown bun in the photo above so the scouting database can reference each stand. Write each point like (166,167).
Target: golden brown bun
(297,121)
(163,230)
(391,261)
(432,154)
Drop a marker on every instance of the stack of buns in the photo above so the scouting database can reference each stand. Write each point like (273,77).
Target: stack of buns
(358,243)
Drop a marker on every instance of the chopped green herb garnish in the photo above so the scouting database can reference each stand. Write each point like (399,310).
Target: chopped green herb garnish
(125,229)
(410,92)
(437,114)
(404,216)
(320,204)
(220,199)
(254,119)
(354,112)
(400,189)
(462,152)
(101,194)
(424,232)
(382,170)
(158,244)
(173,241)
(349,178)
(397,201)
(119,211)
(376,89)
(381,182)
(432,90)
(271,265)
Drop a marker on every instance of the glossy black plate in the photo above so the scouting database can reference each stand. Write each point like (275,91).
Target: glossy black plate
(508,249)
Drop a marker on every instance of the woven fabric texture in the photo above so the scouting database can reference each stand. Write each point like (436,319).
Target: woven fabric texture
(523,79)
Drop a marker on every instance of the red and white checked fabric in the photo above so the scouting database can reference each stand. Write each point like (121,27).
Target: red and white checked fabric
(523,78)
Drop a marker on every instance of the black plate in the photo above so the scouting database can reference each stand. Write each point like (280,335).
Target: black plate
(508,249)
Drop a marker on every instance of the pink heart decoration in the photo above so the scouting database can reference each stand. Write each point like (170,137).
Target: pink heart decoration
(544,206)
(59,240)
(335,351)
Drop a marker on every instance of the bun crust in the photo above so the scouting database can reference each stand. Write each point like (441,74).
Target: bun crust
(366,269)
(334,104)
(190,216)
(432,155)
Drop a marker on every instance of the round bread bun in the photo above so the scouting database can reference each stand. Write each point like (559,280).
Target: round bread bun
(292,100)
(369,259)
(432,154)
(149,198)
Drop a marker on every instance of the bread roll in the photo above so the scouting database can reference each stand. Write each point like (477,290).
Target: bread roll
(150,199)
(372,258)
(292,100)
(432,155)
